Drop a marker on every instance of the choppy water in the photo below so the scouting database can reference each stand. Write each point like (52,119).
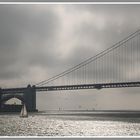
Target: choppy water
(68,125)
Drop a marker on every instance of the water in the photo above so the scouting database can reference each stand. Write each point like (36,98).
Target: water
(41,124)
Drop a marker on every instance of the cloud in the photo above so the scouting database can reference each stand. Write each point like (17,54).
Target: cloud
(27,38)
(39,41)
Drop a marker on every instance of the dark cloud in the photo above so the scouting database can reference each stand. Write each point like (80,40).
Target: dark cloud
(22,37)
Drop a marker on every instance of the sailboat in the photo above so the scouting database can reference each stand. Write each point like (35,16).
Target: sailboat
(23,112)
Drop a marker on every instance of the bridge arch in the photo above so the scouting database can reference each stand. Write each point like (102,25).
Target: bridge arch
(8,97)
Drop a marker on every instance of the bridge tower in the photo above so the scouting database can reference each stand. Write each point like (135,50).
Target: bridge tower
(30,98)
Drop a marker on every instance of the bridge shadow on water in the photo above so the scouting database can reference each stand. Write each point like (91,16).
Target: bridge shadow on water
(116,116)
(122,116)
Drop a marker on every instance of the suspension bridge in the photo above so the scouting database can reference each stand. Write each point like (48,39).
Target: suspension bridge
(115,67)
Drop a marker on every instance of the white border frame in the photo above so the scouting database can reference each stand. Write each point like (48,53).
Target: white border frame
(67,3)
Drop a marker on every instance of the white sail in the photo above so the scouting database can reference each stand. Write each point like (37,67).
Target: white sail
(24,112)
(21,113)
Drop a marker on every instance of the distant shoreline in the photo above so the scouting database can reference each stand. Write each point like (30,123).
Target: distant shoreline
(95,113)
(90,111)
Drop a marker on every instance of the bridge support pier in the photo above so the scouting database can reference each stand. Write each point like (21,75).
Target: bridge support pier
(30,98)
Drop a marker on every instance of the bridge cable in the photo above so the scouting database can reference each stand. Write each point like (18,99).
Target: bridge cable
(91,59)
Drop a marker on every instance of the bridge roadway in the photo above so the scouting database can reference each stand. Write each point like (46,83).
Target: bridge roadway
(72,87)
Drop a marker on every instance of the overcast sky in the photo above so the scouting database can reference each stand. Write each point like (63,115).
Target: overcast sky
(39,41)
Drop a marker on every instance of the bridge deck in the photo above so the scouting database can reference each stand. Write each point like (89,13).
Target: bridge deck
(73,87)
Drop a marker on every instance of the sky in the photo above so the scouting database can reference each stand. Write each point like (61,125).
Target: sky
(40,41)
